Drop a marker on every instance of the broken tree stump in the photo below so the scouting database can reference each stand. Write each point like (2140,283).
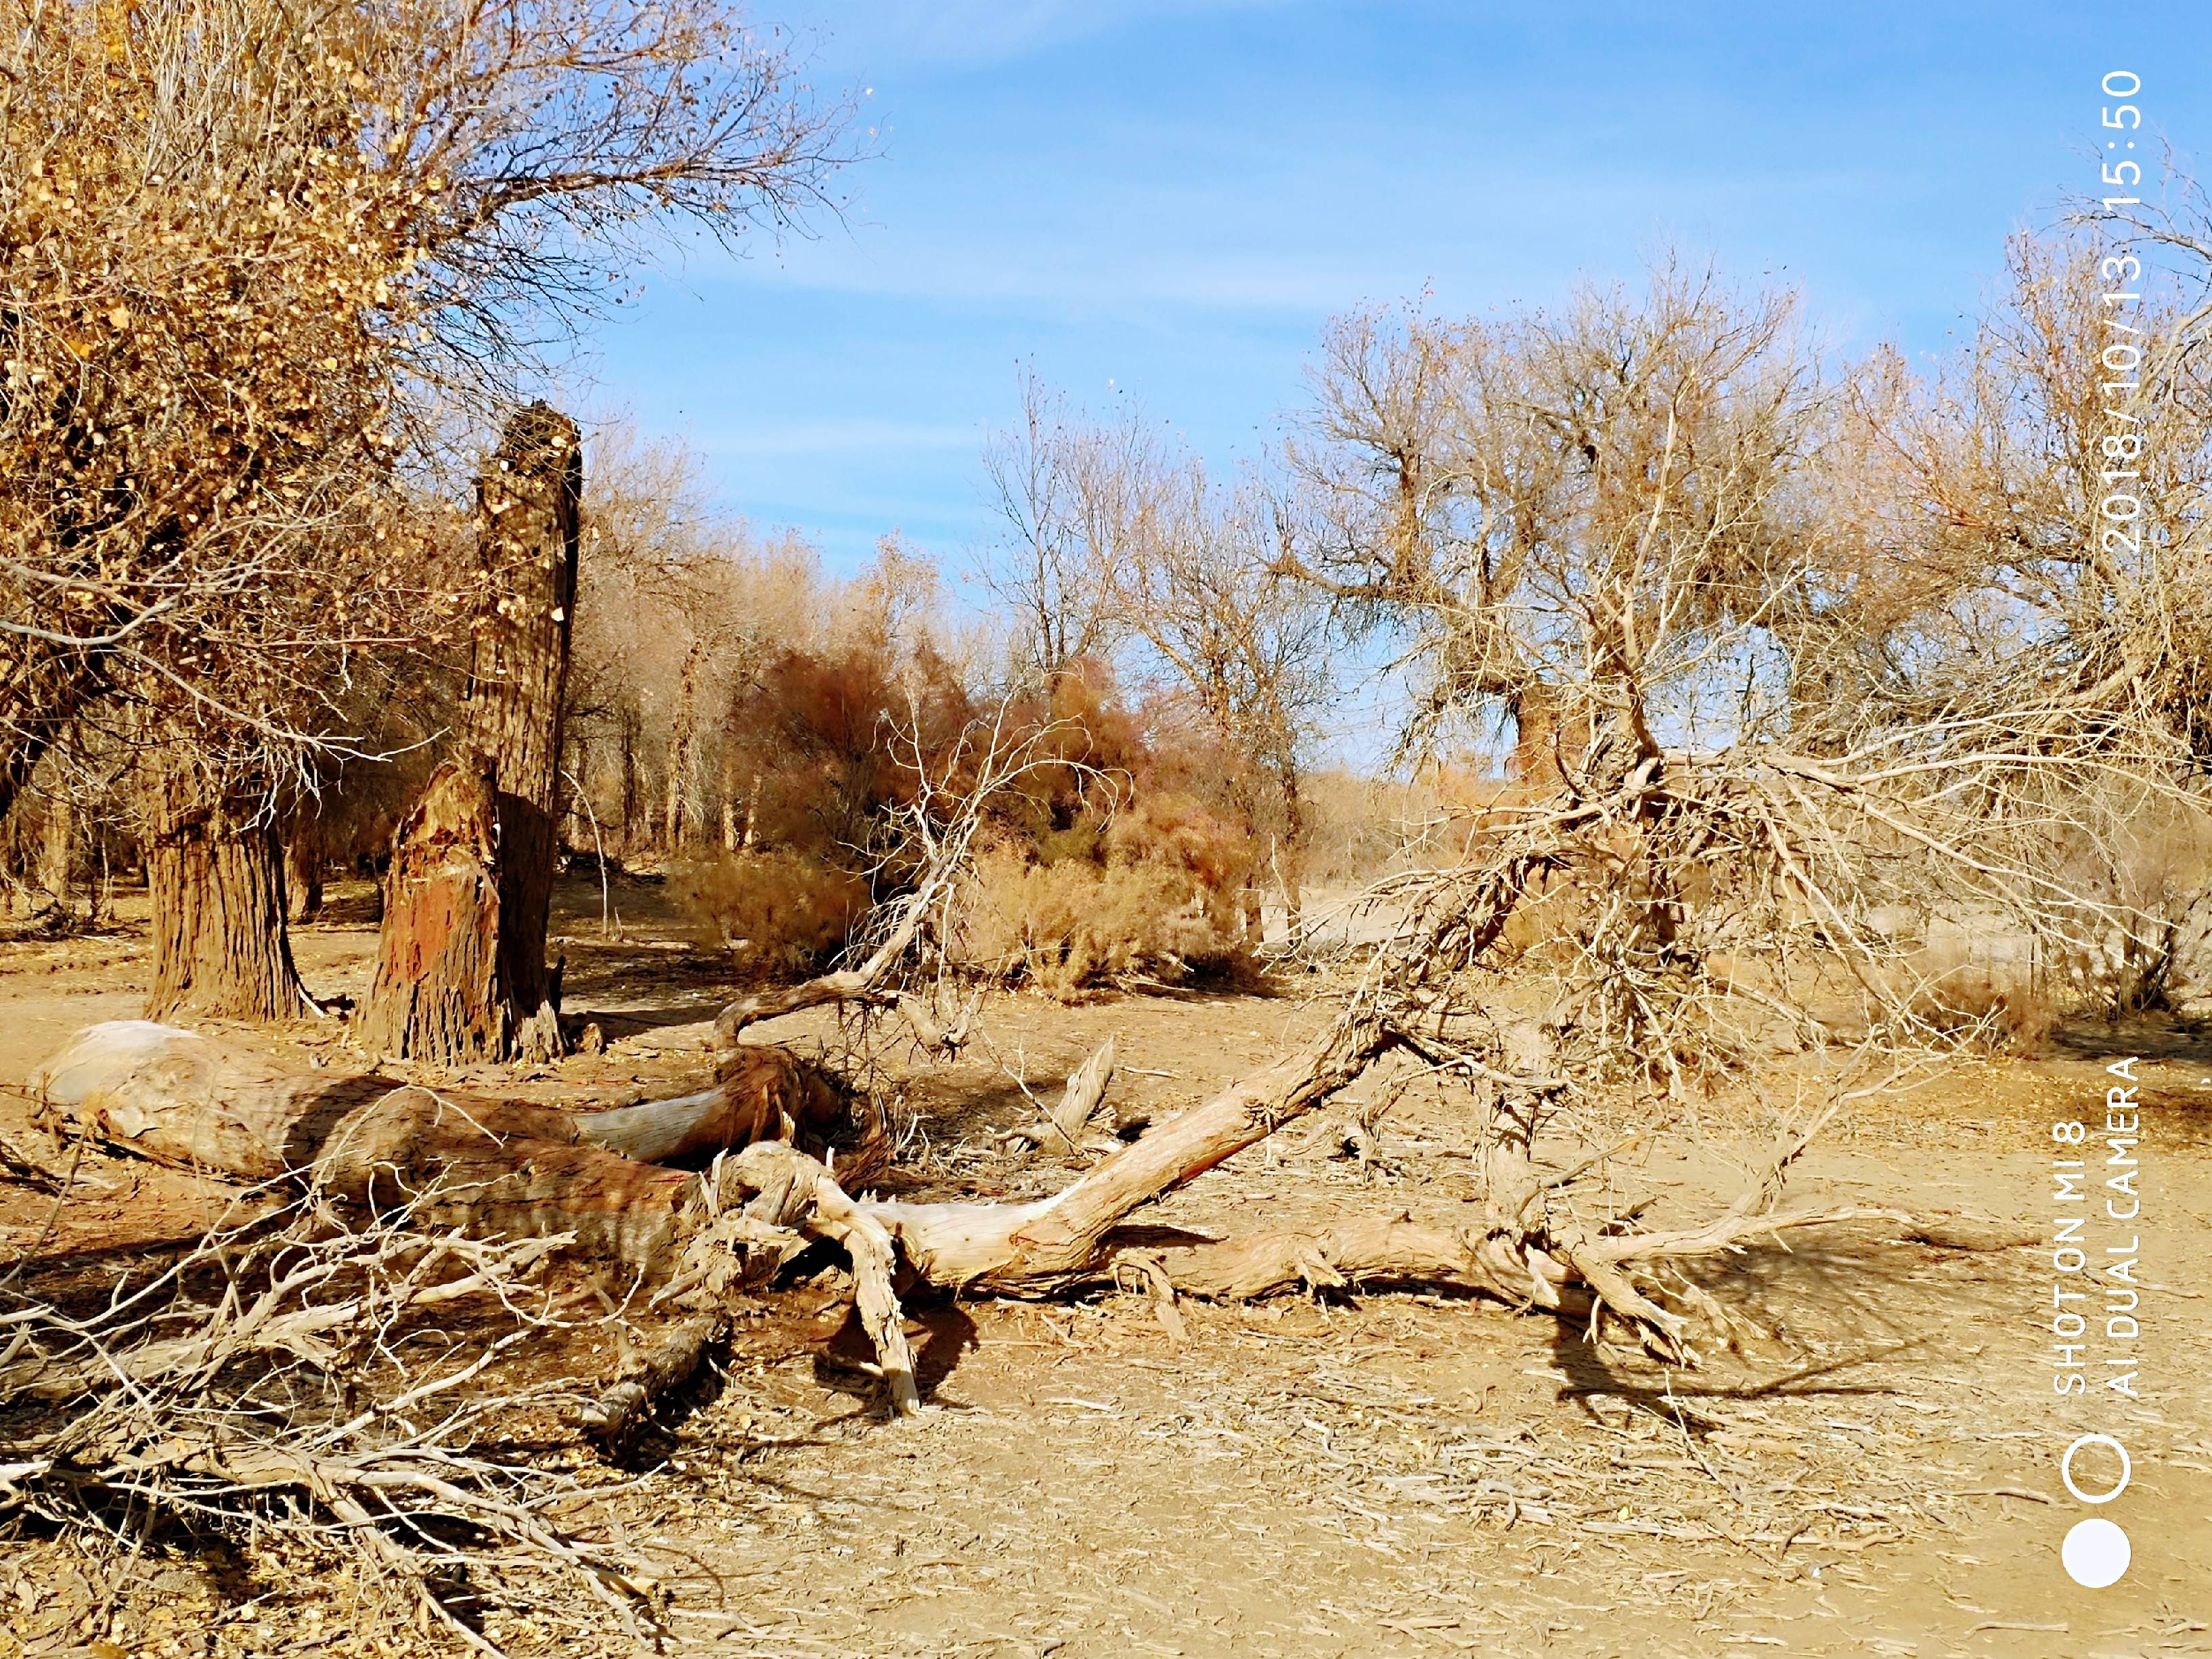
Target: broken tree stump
(472,879)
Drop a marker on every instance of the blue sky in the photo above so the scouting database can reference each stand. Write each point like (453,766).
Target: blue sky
(1165,200)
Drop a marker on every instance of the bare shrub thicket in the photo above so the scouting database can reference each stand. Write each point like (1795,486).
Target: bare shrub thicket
(1094,866)
(785,911)
(1150,893)
(1114,862)
(758,729)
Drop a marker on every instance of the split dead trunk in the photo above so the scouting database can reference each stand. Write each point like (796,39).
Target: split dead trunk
(436,994)
(462,974)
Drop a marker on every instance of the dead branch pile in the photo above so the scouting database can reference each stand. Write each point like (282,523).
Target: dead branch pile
(315,1388)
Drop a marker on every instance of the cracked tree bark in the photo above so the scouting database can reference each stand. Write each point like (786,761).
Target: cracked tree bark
(216,874)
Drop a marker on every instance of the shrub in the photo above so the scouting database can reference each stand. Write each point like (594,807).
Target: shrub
(1069,926)
(1991,1007)
(1151,893)
(785,911)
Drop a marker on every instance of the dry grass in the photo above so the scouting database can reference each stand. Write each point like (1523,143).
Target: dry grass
(1154,893)
(1068,927)
(781,910)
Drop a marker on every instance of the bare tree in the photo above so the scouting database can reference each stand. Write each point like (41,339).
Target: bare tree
(1120,544)
(2037,542)
(1202,585)
(680,608)
(1069,493)
(1618,527)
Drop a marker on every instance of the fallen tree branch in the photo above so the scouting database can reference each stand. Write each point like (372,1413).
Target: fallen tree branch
(1035,1248)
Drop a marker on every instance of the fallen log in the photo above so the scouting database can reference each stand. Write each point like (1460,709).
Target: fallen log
(497,1168)
(521,1170)
(178,1097)
(1376,1250)
(1056,1242)
(493,1166)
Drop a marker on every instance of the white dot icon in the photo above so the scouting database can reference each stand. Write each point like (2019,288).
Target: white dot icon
(2095,1554)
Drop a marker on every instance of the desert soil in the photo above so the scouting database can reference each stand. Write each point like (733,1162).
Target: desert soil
(1381,1474)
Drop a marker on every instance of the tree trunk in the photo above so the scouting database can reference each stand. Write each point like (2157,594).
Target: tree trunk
(303,867)
(461,973)
(57,836)
(215,873)
(436,994)
(1290,854)
(679,751)
(628,735)
(1534,711)
(40,695)
(488,1165)
(729,777)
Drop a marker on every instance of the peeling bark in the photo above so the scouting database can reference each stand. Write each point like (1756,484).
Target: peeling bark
(472,871)
(436,994)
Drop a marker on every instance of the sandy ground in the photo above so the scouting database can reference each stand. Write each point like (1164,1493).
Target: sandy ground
(1383,1473)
